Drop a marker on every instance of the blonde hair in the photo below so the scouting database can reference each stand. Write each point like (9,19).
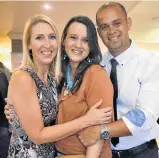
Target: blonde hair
(55,67)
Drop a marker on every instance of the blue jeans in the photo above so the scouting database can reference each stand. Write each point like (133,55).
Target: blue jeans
(4,142)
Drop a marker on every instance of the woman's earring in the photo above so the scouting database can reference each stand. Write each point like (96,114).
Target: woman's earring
(88,59)
(31,53)
(64,56)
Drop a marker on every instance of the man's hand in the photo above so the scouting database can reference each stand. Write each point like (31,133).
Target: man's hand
(9,111)
(90,135)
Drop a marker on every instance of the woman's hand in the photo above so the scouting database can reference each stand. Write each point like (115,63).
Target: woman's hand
(9,112)
(97,116)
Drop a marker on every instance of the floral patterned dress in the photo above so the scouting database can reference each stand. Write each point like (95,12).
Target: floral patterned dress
(21,146)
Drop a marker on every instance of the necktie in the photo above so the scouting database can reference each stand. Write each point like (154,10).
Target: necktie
(113,77)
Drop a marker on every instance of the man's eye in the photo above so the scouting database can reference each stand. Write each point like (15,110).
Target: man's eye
(104,27)
(117,24)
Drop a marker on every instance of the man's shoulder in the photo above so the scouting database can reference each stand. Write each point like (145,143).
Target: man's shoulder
(144,54)
(146,59)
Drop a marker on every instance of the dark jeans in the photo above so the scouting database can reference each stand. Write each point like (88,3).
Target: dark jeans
(151,152)
(4,142)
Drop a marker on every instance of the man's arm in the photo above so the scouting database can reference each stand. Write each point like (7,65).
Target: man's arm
(92,134)
(142,118)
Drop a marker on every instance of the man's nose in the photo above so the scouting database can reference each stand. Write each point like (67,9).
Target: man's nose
(112,28)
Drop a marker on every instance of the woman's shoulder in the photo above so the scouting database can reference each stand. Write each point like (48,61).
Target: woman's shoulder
(20,73)
(96,68)
(21,76)
(21,82)
(96,72)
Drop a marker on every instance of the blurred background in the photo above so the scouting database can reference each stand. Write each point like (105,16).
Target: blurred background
(13,15)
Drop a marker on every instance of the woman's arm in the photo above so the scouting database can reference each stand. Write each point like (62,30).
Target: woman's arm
(94,150)
(22,94)
(100,86)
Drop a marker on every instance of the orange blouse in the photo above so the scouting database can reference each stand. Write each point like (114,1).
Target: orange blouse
(96,85)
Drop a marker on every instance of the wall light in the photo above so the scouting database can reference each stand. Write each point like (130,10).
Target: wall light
(47,7)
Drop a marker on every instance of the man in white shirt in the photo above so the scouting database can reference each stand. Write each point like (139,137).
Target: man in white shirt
(136,98)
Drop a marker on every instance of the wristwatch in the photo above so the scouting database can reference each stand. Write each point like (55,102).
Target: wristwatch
(104,133)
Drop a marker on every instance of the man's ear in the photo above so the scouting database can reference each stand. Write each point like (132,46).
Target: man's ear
(98,30)
(129,23)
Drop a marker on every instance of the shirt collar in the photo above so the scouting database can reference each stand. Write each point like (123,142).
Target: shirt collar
(123,57)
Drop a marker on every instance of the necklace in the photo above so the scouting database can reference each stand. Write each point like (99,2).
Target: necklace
(69,84)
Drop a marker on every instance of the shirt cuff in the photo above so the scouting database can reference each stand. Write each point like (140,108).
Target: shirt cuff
(136,116)
(145,128)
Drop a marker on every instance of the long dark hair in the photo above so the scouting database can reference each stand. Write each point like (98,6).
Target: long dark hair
(94,56)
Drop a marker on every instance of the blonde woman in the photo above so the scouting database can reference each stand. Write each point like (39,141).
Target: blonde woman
(33,93)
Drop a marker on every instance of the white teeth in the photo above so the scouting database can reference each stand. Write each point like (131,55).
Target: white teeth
(77,52)
(114,38)
(46,53)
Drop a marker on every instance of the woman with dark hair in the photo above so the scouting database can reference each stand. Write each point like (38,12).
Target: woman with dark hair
(80,87)
(94,57)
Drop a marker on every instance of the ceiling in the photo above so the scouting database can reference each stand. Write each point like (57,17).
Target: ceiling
(13,15)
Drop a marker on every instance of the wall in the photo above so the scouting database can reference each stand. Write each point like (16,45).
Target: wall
(5,49)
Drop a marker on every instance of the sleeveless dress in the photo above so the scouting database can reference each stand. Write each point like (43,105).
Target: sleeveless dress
(20,145)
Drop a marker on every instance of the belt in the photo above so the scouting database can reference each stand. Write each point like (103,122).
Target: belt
(134,151)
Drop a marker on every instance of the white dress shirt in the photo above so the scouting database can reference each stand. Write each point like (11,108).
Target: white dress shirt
(138,93)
